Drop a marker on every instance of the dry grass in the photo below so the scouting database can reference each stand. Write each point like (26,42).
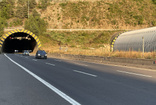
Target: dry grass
(81,0)
(52,46)
(103,51)
(99,14)
(134,54)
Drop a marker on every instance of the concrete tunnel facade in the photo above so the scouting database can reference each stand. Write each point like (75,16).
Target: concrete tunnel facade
(19,39)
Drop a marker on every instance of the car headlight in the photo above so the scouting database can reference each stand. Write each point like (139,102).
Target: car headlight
(38,54)
(45,54)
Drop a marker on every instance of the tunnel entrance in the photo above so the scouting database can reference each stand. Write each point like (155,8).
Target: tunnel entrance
(19,41)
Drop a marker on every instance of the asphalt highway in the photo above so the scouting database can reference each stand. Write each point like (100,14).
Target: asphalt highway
(25,80)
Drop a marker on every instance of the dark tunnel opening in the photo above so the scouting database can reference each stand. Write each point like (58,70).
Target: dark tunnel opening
(19,42)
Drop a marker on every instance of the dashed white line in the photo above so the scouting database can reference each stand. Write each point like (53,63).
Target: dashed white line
(34,59)
(125,72)
(141,69)
(50,64)
(60,93)
(85,73)
(57,60)
(80,64)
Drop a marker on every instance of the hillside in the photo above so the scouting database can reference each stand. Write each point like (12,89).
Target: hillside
(84,14)
(109,14)
(80,14)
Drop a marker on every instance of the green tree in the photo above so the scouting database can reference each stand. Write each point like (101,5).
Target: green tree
(139,19)
(43,4)
(35,13)
(32,3)
(25,12)
(11,1)
(154,1)
(3,23)
(21,12)
(36,25)
(6,9)
(21,2)
(16,22)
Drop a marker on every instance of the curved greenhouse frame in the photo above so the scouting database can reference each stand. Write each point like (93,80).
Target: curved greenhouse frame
(136,40)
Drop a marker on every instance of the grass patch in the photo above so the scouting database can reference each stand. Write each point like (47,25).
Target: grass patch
(82,38)
(86,43)
(95,14)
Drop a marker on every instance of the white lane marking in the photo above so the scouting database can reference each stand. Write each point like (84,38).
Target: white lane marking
(134,73)
(63,95)
(80,64)
(57,60)
(34,59)
(85,73)
(141,69)
(50,64)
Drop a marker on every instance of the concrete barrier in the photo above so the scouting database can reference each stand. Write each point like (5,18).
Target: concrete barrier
(145,63)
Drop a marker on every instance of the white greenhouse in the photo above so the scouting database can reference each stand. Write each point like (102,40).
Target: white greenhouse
(137,40)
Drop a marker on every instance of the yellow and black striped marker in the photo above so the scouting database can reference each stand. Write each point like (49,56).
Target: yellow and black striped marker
(113,42)
(22,31)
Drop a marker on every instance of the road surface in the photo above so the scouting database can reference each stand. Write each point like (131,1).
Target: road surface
(25,80)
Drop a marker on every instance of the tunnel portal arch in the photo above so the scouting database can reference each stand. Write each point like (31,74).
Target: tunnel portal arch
(19,39)
(114,38)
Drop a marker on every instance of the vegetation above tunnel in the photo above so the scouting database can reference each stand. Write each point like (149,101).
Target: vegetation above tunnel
(14,13)
(82,39)
(35,24)
(109,14)
(113,14)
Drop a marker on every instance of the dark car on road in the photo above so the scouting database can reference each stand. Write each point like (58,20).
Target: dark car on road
(41,54)
(25,53)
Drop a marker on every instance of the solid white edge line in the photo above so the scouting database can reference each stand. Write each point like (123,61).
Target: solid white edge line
(50,64)
(134,73)
(60,93)
(85,73)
